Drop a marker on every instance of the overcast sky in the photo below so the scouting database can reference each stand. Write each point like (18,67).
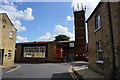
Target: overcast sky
(42,21)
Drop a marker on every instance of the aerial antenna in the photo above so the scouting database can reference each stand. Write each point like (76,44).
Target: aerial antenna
(73,9)
(78,6)
(85,7)
(82,6)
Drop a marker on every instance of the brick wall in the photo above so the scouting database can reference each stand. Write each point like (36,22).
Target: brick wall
(104,35)
(80,35)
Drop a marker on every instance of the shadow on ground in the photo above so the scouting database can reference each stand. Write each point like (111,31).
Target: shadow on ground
(62,76)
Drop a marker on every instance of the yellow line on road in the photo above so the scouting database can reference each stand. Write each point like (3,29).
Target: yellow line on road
(72,74)
(14,69)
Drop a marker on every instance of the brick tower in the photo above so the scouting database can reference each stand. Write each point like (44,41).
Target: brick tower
(80,35)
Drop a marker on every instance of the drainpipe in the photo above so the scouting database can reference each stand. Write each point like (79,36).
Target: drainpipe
(112,43)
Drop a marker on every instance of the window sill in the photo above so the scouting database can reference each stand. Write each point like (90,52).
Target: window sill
(100,50)
(99,61)
(97,29)
(35,57)
(11,38)
(9,58)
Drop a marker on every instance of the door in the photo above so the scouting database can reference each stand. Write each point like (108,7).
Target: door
(71,57)
(1,56)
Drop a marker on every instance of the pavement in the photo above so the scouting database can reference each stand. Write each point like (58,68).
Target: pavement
(82,72)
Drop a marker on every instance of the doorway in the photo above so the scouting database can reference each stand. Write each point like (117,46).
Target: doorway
(71,57)
(1,56)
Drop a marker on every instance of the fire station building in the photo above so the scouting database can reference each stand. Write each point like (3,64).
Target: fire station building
(37,52)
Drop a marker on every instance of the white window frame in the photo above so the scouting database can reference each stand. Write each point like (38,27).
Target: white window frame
(11,34)
(99,61)
(97,22)
(99,52)
(36,53)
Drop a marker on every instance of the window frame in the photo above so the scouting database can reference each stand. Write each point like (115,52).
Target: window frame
(97,22)
(36,53)
(99,52)
(11,34)
(9,54)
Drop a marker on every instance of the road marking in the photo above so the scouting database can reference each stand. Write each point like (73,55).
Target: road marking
(14,69)
(72,74)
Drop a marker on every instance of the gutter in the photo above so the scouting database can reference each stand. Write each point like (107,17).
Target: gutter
(112,43)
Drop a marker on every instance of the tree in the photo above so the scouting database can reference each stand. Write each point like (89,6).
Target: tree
(61,38)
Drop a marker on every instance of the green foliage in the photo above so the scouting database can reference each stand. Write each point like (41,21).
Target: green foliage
(61,38)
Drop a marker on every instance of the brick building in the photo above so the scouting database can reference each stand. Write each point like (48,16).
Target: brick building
(80,35)
(37,52)
(7,40)
(71,49)
(103,37)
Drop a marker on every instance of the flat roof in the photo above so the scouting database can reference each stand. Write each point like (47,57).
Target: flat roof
(65,41)
(35,42)
(43,42)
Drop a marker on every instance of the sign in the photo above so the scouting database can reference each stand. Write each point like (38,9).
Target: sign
(71,45)
(59,52)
